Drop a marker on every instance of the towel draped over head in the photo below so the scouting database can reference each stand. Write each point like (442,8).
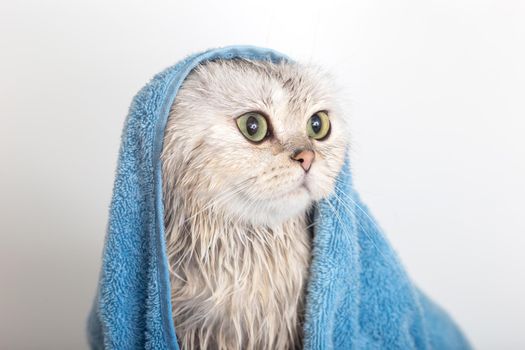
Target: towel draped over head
(358,294)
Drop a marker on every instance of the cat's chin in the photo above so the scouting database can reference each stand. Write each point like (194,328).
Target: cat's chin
(289,206)
(275,211)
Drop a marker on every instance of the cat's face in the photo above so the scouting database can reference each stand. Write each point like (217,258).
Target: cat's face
(258,141)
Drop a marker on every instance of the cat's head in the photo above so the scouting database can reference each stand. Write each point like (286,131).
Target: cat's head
(259,142)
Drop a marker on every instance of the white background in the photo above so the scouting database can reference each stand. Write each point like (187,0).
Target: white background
(436,91)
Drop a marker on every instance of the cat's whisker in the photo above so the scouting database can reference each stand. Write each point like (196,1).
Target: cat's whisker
(312,224)
(338,217)
(352,212)
(346,206)
(221,197)
(188,253)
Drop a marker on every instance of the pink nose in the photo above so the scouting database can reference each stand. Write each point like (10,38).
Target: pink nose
(305,157)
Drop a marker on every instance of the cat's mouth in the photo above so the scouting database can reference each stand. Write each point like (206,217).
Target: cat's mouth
(300,187)
(304,184)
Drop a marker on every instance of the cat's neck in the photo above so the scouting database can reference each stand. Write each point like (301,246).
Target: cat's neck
(236,285)
(199,230)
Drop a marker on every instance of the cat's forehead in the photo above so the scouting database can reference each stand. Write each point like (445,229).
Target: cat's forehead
(284,91)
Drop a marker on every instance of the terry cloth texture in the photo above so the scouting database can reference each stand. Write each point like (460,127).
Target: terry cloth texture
(359,296)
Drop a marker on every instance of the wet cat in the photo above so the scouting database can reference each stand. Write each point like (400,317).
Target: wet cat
(249,147)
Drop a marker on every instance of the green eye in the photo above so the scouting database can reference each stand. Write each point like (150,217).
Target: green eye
(318,126)
(253,126)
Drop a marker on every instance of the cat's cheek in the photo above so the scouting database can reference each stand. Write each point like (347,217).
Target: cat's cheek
(321,183)
(317,192)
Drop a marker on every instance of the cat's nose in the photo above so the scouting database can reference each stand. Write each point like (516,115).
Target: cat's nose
(305,157)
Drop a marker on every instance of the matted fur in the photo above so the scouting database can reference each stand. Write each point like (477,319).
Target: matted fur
(236,212)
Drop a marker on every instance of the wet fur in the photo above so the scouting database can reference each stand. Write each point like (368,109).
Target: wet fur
(236,213)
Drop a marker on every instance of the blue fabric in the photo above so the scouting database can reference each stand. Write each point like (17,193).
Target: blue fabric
(359,296)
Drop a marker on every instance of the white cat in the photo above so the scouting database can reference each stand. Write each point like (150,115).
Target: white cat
(249,147)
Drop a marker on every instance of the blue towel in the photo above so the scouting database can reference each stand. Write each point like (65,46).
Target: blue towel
(358,295)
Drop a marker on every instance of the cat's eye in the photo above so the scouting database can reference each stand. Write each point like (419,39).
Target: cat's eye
(318,126)
(253,126)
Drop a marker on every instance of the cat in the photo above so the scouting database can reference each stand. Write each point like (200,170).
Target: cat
(249,148)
